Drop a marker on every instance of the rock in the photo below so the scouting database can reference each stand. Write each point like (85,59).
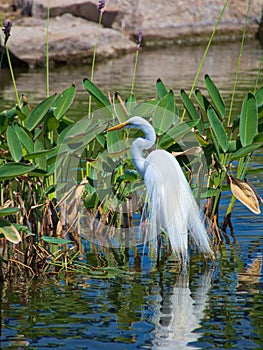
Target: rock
(87,9)
(72,29)
(188,21)
(71,41)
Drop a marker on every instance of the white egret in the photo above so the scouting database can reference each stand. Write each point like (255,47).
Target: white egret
(170,206)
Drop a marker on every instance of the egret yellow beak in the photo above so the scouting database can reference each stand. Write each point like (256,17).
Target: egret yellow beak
(117,127)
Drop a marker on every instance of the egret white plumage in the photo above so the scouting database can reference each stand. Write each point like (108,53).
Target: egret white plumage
(170,205)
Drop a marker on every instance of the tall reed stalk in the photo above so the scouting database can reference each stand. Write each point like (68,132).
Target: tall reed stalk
(47,49)
(205,53)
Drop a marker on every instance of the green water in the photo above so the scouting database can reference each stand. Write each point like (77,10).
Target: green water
(147,308)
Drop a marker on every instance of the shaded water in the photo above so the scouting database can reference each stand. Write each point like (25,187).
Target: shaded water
(209,308)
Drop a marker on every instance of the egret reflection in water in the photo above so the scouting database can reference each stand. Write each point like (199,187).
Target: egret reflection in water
(181,313)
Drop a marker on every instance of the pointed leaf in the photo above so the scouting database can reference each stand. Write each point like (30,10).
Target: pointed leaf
(11,170)
(189,106)
(9,211)
(215,96)
(9,231)
(24,138)
(64,101)
(248,120)
(14,144)
(39,154)
(259,96)
(244,151)
(161,89)
(100,98)
(39,112)
(55,240)
(245,193)
(164,114)
(176,133)
(202,100)
(130,103)
(218,129)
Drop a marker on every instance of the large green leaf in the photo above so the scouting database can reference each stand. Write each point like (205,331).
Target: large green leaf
(246,150)
(176,133)
(9,231)
(11,170)
(14,144)
(24,137)
(145,108)
(248,120)
(189,106)
(191,110)
(218,129)
(161,89)
(202,100)
(9,211)
(130,103)
(164,114)
(3,122)
(64,101)
(51,123)
(96,93)
(113,141)
(215,96)
(259,96)
(55,240)
(39,154)
(39,112)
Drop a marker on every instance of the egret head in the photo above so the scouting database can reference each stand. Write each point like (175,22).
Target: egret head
(134,122)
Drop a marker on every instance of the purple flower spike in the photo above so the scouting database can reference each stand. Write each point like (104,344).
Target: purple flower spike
(139,41)
(101,5)
(7,31)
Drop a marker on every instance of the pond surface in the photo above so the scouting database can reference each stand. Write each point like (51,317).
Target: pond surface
(210,307)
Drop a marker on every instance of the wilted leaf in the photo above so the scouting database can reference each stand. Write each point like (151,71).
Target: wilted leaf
(193,151)
(245,193)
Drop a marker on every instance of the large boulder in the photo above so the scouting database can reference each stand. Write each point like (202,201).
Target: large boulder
(72,29)
(71,40)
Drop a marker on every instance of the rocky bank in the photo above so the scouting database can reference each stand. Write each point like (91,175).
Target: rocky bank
(73,28)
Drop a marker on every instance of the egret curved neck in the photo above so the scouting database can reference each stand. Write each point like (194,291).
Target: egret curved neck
(137,148)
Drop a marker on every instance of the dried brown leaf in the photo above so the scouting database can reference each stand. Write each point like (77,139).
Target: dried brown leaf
(189,152)
(245,193)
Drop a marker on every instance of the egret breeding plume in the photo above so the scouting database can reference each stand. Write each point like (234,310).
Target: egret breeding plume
(170,206)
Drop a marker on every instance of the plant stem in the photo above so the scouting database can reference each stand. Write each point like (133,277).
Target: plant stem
(205,53)
(94,56)
(259,72)
(241,167)
(12,75)
(134,71)
(47,53)
(238,65)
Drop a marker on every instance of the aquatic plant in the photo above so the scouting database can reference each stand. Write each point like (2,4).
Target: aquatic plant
(41,148)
